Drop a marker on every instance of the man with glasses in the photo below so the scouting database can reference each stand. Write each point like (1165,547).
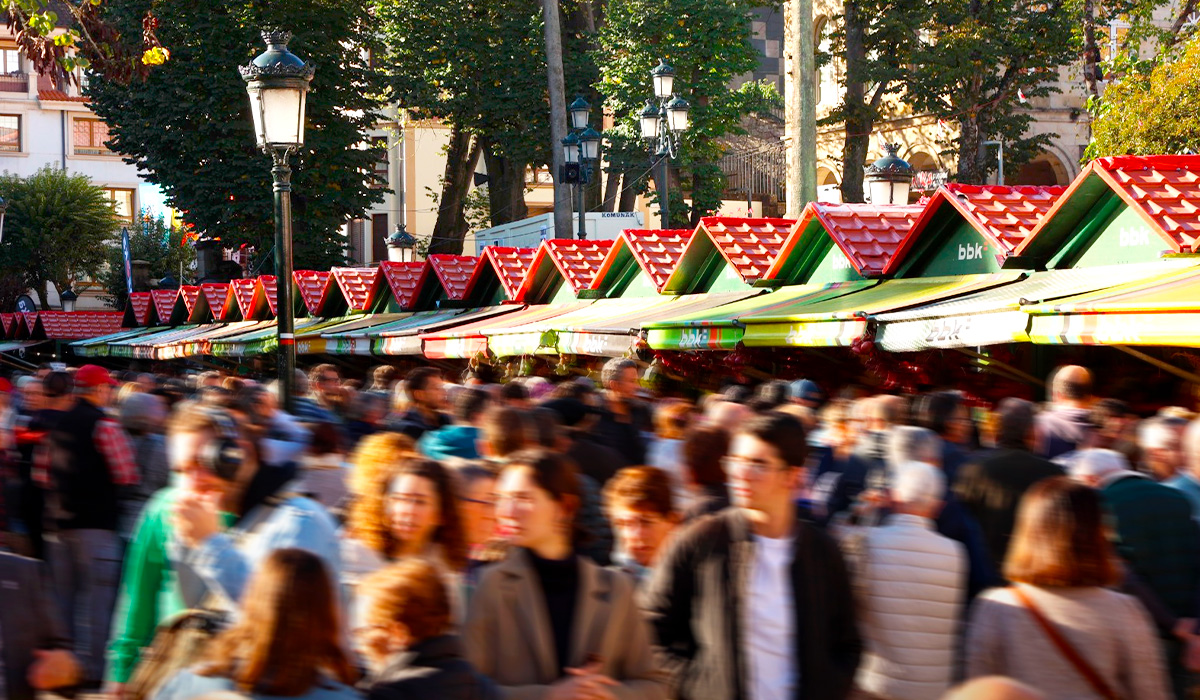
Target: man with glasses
(754,602)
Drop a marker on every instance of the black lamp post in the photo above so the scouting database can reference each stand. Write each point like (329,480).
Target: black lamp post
(277,81)
(662,126)
(581,149)
(3,210)
(401,245)
(889,178)
(68,299)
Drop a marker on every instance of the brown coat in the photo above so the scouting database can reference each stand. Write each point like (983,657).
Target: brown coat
(508,636)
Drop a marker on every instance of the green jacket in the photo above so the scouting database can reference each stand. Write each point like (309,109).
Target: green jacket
(149,591)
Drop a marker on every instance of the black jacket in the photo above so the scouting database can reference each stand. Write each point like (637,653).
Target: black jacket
(695,597)
(87,496)
(433,668)
(29,620)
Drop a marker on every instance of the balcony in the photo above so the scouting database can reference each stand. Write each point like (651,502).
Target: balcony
(14,82)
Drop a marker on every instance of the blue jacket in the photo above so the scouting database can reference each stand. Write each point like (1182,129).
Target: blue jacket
(186,685)
(451,441)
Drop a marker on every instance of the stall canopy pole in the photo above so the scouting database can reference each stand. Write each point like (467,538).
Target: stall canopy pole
(1161,364)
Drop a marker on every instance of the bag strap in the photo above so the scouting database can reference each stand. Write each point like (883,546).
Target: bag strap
(1081,665)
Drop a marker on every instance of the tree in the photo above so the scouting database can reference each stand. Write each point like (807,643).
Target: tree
(154,240)
(708,44)
(975,61)
(1153,110)
(876,40)
(188,127)
(57,229)
(478,66)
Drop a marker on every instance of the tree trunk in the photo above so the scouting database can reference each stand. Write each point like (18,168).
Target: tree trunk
(1091,52)
(506,188)
(558,118)
(451,225)
(627,197)
(972,158)
(612,189)
(859,115)
(800,116)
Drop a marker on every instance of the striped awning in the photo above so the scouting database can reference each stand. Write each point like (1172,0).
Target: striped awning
(404,338)
(471,339)
(719,328)
(99,347)
(265,339)
(841,320)
(995,315)
(1160,311)
(344,338)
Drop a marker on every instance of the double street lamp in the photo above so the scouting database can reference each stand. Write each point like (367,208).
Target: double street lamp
(277,81)
(662,126)
(581,150)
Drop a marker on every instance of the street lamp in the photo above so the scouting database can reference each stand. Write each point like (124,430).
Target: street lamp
(581,149)
(277,82)
(68,299)
(401,245)
(662,127)
(889,178)
(3,210)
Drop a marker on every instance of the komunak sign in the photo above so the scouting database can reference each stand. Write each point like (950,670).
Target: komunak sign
(127,256)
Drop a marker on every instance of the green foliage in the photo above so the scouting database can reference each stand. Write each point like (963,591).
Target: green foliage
(973,61)
(478,64)
(58,229)
(708,44)
(188,127)
(154,240)
(1154,109)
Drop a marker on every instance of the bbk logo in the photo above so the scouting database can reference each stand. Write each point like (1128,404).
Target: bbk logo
(1134,237)
(970,252)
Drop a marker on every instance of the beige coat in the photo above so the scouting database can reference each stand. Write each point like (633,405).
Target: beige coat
(508,636)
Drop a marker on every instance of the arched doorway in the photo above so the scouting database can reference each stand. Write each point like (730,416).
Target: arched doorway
(1047,169)
(828,187)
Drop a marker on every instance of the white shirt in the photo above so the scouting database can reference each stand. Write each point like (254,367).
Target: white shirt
(770,632)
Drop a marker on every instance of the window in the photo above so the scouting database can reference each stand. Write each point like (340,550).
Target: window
(122,200)
(827,81)
(380,143)
(89,137)
(10,62)
(10,132)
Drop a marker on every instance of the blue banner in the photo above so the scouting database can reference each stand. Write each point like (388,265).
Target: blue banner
(125,253)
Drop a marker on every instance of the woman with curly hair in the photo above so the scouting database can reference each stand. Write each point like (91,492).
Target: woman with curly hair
(409,508)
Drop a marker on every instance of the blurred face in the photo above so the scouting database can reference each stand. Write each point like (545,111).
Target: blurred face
(478,509)
(626,383)
(197,479)
(640,533)
(33,398)
(759,479)
(433,396)
(413,510)
(329,383)
(526,514)
(959,430)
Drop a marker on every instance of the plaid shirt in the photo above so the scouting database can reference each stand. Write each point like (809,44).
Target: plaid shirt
(112,444)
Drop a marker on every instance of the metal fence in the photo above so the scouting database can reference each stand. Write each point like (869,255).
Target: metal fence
(758,173)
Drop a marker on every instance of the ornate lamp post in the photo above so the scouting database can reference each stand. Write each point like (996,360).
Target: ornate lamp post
(581,149)
(401,245)
(889,178)
(277,81)
(662,125)
(68,299)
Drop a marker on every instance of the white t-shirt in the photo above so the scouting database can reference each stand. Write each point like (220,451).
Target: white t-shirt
(770,634)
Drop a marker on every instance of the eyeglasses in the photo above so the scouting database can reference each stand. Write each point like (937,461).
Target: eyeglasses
(478,501)
(752,467)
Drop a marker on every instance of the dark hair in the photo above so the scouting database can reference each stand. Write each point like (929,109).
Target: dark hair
(484,374)
(935,410)
(546,426)
(1059,539)
(419,378)
(779,430)
(773,394)
(57,384)
(514,391)
(704,446)
(469,402)
(736,393)
(324,439)
(1015,420)
(1109,408)
(505,430)
(641,489)
(557,476)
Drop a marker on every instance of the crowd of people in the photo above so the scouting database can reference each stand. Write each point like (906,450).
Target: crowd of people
(432,537)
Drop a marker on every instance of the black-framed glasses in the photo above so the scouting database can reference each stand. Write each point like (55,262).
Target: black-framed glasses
(479,501)
(755,467)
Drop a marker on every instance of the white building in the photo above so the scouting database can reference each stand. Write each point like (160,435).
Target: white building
(45,122)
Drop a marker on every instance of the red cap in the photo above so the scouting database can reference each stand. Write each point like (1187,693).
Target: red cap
(93,375)
(5,386)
